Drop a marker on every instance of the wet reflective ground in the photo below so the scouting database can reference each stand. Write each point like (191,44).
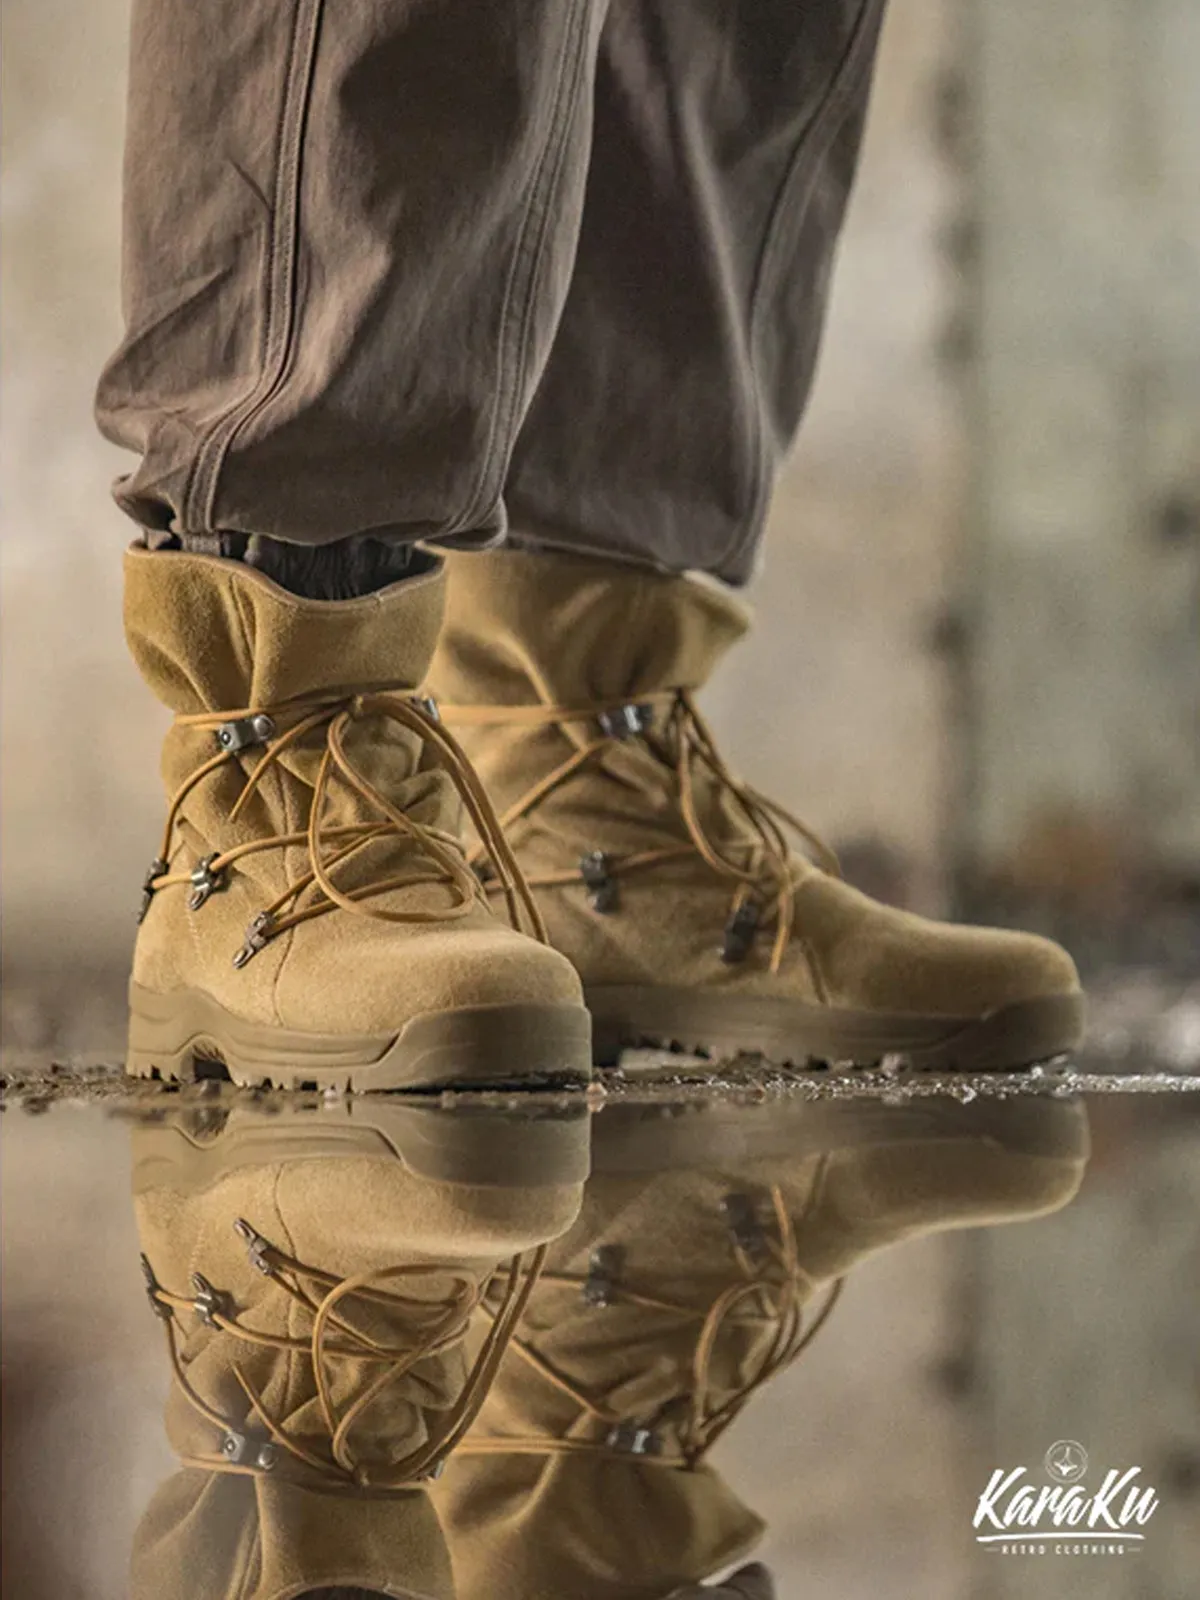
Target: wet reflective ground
(892,1336)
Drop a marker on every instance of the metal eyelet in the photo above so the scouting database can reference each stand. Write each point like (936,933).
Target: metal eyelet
(157,869)
(210,1302)
(243,732)
(258,935)
(246,1449)
(596,871)
(634,1438)
(153,1290)
(604,1270)
(205,881)
(427,704)
(740,931)
(258,1247)
(625,722)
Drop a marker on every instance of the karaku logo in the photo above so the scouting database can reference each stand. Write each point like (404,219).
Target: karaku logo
(1016,1515)
(1066,1461)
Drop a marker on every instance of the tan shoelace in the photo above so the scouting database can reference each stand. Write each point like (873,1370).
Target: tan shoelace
(766,881)
(771,1294)
(278,728)
(320,1295)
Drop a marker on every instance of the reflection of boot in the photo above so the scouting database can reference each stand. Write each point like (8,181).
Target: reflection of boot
(689,1279)
(667,881)
(311,917)
(315,1274)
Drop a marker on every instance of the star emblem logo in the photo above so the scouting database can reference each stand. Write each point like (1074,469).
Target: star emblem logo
(1066,1461)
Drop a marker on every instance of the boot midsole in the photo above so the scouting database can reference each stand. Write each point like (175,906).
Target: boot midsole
(698,1133)
(1013,1035)
(486,1147)
(512,1042)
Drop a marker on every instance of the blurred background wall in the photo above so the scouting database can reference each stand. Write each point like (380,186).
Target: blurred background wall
(1079,137)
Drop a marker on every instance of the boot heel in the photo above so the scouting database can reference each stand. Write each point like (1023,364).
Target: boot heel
(175,1066)
(159,1041)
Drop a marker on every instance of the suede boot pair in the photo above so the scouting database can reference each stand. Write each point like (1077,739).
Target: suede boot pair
(318,915)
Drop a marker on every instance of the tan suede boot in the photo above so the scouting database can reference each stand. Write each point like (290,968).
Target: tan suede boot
(316,1275)
(310,917)
(692,1276)
(670,883)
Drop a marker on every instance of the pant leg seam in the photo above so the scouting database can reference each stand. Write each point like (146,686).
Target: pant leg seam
(279,275)
(552,190)
(514,349)
(813,141)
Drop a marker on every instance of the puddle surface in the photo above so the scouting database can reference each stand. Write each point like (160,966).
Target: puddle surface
(604,1344)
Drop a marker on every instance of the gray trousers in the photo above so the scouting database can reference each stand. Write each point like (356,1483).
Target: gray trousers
(434,269)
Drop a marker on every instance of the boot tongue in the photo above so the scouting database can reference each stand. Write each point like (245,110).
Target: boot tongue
(563,630)
(214,635)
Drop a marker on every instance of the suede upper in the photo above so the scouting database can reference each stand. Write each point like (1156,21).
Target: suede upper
(529,629)
(212,635)
(566,630)
(210,1536)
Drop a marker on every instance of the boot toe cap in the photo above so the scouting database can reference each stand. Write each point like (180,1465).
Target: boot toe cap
(877,956)
(367,977)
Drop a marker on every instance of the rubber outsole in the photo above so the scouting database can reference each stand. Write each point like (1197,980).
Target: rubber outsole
(179,1035)
(789,1034)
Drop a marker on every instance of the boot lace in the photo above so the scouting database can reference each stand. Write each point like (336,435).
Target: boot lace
(277,728)
(438,1326)
(764,879)
(769,1296)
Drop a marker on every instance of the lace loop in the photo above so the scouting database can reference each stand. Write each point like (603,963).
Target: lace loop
(671,727)
(279,728)
(771,1292)
(334,1337)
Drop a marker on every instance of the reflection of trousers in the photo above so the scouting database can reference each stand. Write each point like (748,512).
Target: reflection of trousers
(423,267)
